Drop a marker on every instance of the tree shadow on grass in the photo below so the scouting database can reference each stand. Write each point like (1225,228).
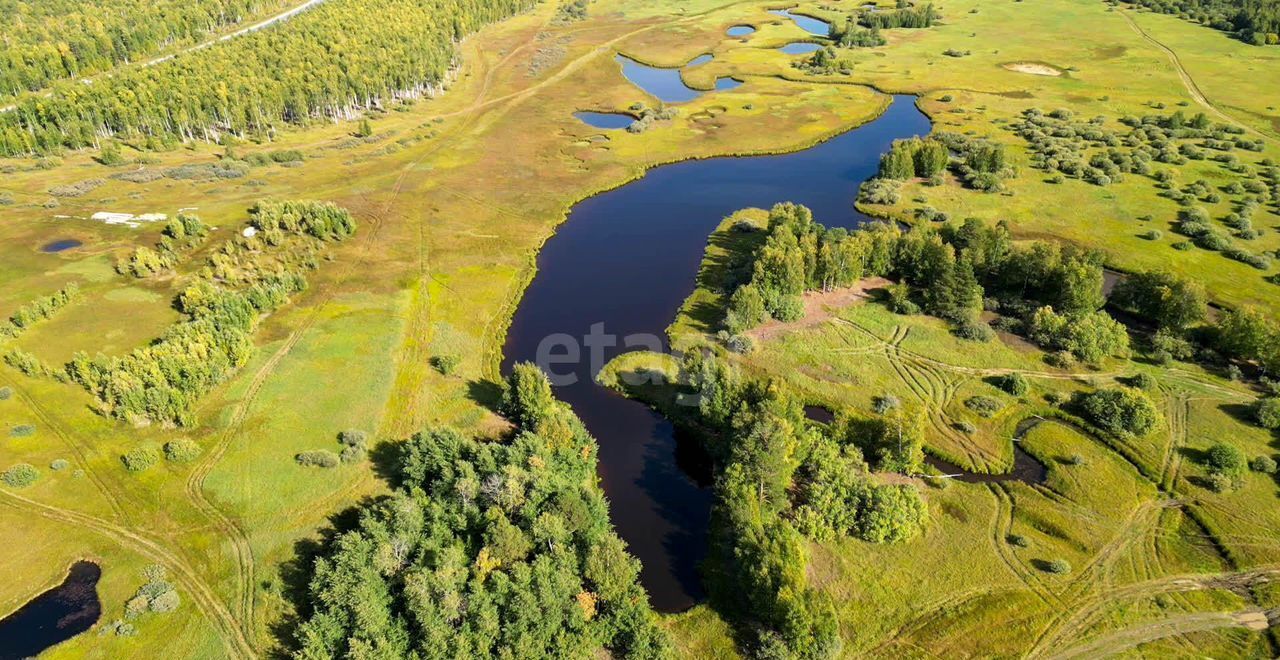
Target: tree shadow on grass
(1241,412)
(293,578)
(385,459)
(486,393)
(727,266)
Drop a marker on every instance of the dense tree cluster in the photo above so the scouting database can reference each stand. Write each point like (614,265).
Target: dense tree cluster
(852,35)
(902,17)
(781,479)
(801,255)
(1054,293)
(52,40)
(1248,335)
(915,157)
(333,60)
(248,277)
(1252,21)
(485,549)
(980,163)
(1170,301)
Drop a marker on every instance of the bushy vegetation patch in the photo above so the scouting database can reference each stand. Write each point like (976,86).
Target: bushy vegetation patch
(247,277)
(20,475)
(1123,411)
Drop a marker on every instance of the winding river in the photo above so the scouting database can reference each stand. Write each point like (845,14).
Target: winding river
(624,261)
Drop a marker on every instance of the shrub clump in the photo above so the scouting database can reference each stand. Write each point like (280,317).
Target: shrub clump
(1121,410)
(1058,567)
(1263,464)
(1267,413)
(20,475)
(446,364)
(1015,384)
(320,458)
(22,431)
(985,406)
(157,595)
(1226,460)
(182,450)
(354,445)
(141,458)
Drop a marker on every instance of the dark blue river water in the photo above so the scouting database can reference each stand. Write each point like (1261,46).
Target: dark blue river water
(626,260)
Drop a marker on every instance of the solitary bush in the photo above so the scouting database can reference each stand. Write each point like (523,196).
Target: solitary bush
(886,402)
(446,364)
(1017,540)
(5,393)
(22,431)
(1142,381)
(983,405)
(1219,483)
(20,475)
(741,344)
(1058,567)
(1122,410)
(1263,464)
(975,331)
(182,450)
(1267,413)
(1226,459)
(353,438)
(1015,384)
(321,458)
(59,465)
(140,459)
(352,454)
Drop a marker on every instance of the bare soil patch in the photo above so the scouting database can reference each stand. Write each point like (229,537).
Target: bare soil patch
(1033,68)
(820,306)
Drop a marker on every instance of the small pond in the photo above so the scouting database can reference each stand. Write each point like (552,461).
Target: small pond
(61,245)
(700,60)
(740,31)
(819,414)
(667,84)
(801,48)
(54,616)
(807,23)
(726,84)
(1025,467)
(605,120)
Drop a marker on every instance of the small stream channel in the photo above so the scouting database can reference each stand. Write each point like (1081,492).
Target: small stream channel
(623,262)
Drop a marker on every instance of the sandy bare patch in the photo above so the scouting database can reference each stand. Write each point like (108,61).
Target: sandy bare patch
(819,306)
(1033,68)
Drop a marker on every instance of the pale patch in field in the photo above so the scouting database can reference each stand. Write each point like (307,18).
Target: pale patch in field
(820,306)
(1033,68)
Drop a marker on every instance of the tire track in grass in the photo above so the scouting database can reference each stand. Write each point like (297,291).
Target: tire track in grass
(1123,640)
(1001,529)
(208,602)
(46,419)
(246,565)
(1188,82)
